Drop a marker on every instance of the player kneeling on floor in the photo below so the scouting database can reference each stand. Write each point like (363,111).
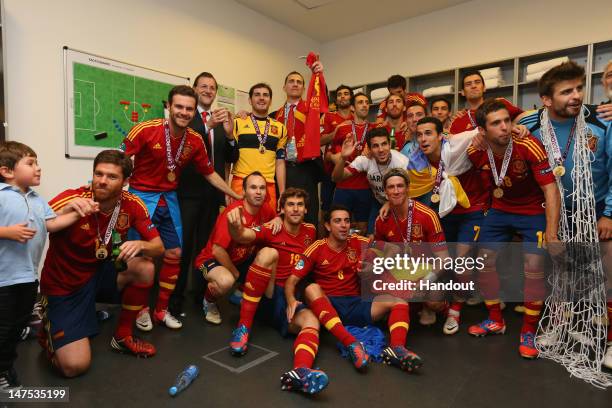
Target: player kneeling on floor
(82,267)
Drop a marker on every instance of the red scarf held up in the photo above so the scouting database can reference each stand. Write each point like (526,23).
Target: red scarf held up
(317,103)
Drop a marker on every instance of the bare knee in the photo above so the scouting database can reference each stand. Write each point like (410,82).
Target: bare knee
(266,257)
(309,320)
(71,366)
(174,253)
(313,292)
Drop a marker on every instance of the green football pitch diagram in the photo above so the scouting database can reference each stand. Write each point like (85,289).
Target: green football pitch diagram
(108,104)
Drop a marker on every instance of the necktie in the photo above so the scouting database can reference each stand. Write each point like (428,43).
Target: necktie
(210,138)
(291,121)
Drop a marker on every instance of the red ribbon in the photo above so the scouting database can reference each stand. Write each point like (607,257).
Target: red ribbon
(317,103)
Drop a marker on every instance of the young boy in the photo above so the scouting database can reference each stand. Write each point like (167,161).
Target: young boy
(25,219)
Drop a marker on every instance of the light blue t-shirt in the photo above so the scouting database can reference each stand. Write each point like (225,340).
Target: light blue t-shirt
(19,261)
(599,141)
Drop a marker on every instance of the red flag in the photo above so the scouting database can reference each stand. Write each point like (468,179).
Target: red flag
(316,102)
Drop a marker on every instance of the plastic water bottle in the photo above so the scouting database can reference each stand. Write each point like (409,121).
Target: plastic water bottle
(184,379)
(392,138)
(291,150)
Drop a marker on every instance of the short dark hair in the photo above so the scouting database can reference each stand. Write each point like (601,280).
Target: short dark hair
(396,172)
(11,152)
(354,97)
(435,121)
(293,73)
(415,103)
(184,90)
(204,75)
(293,192)
(116,157)
(377,132)
(254,173)
(488,106)
(563,72)
(260,85)
(335,207)
(396,81)
(468,73)
(440,99)
(341,87)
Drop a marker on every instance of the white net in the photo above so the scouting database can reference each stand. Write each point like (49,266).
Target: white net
(572,330)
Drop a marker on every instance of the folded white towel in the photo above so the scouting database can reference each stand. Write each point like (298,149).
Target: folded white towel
(438,90)
(357,90)
(494,83)
(378,95)
(491,73)
(535,76)
(545,65)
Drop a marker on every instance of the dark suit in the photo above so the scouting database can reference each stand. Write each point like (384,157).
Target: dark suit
(199,202)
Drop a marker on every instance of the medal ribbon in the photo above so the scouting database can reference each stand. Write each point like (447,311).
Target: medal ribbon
(560,158)
(363,135)
(436,187)
(500,178)
(172,162)
(262,139)
(111,224)
(408,236)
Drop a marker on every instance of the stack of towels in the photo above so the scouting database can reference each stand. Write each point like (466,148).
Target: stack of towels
(493,77)
(378,95)
(535,71)
(438,90)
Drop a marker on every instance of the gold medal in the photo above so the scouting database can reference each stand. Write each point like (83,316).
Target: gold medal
(498,192)
(262,149)
(171,176)
(559,171)
(101,253)
(435,198)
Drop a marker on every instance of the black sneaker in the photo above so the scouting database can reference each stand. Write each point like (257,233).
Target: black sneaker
(9,381)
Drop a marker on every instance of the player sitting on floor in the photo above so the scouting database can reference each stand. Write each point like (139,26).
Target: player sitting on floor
(264,288)
(335,296)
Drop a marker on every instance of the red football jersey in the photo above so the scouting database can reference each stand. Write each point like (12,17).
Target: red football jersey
(410,99)
(147,143)
(331,120)
(465,121)
(477,186)
(359,181)
(527,171)
(71,259)
(335,271)
(426,234)
(220,234)
(290,247)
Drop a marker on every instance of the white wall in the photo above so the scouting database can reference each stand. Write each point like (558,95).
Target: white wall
(468,34)
(239,46)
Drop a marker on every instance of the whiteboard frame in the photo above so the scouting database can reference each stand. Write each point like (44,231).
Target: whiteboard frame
(71,55)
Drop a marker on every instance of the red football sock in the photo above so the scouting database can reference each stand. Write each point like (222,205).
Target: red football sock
(305,347)
(531,317)
(210,294)
(609,304)
(328,316)
(399,321)
(135,297)
(168,274)
(456,308)
(495,313)
(257,279)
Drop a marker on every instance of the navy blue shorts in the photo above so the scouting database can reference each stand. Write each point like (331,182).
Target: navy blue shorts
(242,267)
(352,310)
(68,318)
(374,209)
(273,312)
(463,227)
(358,201)
(163,222)
(500,226)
